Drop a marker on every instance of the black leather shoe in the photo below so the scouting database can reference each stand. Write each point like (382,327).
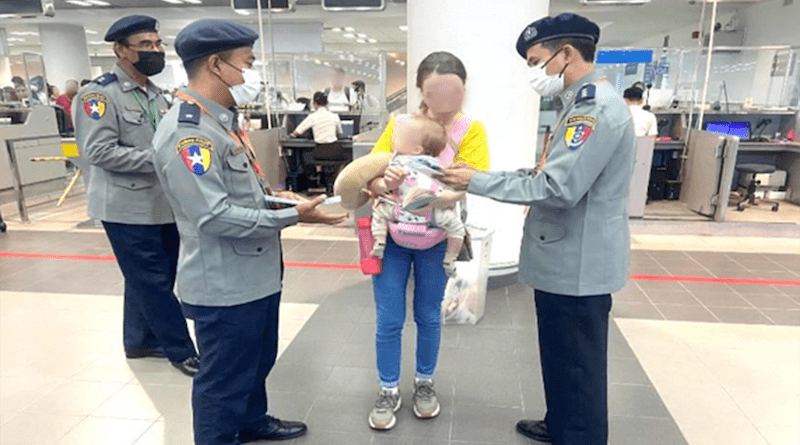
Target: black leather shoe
(188,366)
(272,429)
(534,429)
(146,353)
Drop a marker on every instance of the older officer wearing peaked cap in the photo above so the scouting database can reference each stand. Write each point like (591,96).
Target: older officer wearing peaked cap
(229,273)
(576,243)
(115,118)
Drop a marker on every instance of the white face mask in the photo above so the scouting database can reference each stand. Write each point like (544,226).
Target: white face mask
(248,91)
(544,84)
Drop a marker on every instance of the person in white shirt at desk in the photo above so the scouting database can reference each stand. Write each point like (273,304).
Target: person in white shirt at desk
(326,127)
(644,122)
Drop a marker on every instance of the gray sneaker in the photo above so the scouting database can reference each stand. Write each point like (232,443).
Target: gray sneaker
(425,404)
(382,416)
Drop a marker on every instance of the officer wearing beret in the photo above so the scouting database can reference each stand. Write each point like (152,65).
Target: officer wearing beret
(115,118)
(229,273)
(576,243)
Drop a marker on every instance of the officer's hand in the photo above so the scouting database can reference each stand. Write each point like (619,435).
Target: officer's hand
(286,194)
(393,177)
(458,176)
(308,212)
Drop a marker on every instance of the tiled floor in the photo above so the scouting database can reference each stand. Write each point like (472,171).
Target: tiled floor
(692,362)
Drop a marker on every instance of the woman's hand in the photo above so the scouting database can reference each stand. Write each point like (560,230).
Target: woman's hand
(458,176)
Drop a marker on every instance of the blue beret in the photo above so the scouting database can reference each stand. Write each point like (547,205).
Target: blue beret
(130,25)
(558,27)
(205,37)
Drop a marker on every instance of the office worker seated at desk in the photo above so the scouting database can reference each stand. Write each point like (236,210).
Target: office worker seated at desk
(644,122)
(326,127)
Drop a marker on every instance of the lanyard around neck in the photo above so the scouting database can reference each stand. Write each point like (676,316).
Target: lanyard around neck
(150,110)
(548,138)
(239,136)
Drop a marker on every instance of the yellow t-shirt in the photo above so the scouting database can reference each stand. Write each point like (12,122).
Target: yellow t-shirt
(473,149)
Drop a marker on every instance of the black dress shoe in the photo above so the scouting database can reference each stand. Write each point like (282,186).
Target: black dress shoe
(534,429)
(272,429)
(146,353)
(188,366)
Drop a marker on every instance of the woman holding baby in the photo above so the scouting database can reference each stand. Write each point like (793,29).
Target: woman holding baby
(441,77)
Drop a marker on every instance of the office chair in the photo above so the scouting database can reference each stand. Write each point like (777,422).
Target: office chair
(749,198)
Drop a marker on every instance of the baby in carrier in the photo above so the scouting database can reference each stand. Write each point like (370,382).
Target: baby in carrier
(421,212)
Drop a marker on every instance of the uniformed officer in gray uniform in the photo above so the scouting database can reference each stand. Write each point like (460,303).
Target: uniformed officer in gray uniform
(115,118)
(229,273)
(576,243)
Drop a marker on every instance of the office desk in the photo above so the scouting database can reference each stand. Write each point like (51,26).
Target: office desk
(296,155)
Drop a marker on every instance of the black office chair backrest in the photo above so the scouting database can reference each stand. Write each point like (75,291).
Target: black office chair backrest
(64,125)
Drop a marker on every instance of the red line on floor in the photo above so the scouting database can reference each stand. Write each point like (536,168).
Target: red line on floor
(717,280)
(294,265)
(57,256)
(322,266)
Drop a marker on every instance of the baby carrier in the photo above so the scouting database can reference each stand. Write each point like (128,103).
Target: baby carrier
(410,228)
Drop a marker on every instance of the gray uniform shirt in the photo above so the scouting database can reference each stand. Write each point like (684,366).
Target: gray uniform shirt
(115,135)
(230,239)
(576,239)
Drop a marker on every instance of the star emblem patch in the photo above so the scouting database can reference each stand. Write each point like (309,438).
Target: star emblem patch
(94,104)
(196,154)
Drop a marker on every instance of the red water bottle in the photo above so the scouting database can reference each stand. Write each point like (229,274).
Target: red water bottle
(790,135)
(370,265)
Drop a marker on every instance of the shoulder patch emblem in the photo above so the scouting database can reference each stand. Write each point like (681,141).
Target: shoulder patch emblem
(579,128)
(94,104)
(196,154)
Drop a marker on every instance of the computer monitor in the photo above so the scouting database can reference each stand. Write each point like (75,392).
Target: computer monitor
(347,129)
(740,129)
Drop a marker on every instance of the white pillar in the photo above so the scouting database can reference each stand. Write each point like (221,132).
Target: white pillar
(483,34)
(65,53)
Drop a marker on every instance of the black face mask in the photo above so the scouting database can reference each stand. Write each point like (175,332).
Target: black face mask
(150,62)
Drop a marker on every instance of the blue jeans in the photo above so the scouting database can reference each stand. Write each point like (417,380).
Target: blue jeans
(390,307)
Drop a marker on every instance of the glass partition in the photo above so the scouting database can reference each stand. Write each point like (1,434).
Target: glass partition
(23,78)
(741,78)
(358,79)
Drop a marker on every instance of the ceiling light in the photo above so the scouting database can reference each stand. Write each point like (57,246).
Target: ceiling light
(372,41)
(242,11)
(349,28)
(614,2)
(337,29)
(327,63)
(89,31)
(98,2)
(349,36)
(318,62)
(79,3)
(361,41)
(15,39)
(362,35)
(174,2)
(403,27)
(194,2)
